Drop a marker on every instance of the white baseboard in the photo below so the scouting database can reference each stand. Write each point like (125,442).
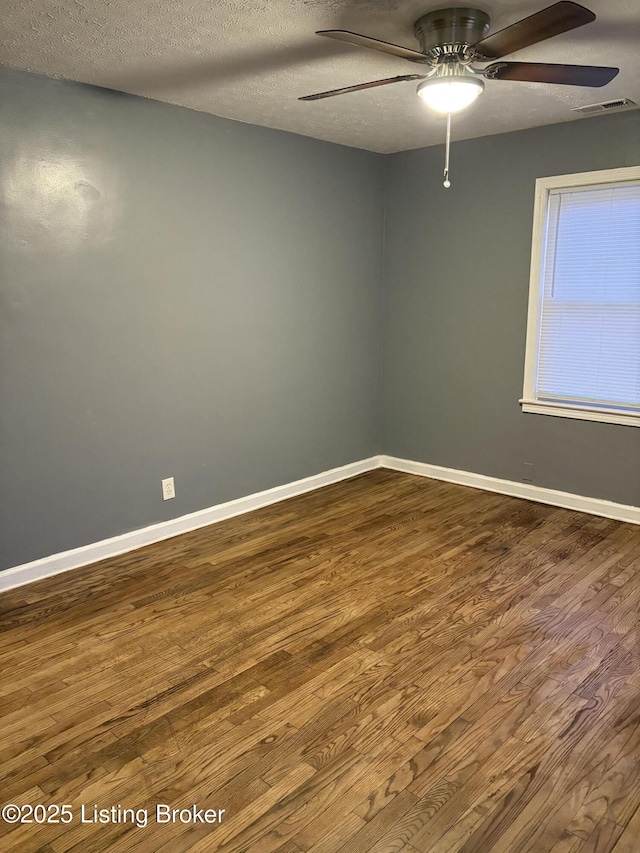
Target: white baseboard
(87,554)
(594,506)
(67,560)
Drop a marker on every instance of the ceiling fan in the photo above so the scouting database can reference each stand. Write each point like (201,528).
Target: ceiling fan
(453,41)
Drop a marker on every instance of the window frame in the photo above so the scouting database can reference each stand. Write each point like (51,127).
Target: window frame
(528,402)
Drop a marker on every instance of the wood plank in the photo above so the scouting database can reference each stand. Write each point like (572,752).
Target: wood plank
(387,664)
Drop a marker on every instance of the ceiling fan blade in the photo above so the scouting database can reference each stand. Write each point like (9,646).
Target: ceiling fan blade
(556,19)
(543,72)
(360,87)
(374,44)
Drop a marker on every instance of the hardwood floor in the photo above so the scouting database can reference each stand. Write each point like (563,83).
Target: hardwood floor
(388,664)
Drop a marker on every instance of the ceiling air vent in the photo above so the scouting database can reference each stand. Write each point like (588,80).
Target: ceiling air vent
(606,107)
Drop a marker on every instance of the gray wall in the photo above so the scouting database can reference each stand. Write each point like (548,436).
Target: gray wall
(456,282)
(185,295)
(179,295)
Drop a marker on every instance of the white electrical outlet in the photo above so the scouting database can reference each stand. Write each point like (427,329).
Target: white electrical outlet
(168,489)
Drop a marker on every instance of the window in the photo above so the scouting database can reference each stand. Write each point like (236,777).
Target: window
(583,333)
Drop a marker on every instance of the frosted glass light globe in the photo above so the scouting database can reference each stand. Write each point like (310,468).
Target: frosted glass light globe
(450,95)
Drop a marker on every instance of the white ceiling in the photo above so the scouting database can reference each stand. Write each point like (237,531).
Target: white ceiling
(250,61)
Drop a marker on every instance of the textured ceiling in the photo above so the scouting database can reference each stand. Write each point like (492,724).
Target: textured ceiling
(250,61)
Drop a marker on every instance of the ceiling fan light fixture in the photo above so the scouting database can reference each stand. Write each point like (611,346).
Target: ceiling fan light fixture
(450,94)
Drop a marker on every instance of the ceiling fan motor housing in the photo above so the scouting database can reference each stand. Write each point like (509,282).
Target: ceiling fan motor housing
(447,27)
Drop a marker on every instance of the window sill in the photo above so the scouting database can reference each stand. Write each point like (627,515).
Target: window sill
(582,414)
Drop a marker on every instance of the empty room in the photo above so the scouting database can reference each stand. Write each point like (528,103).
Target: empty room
(319,409)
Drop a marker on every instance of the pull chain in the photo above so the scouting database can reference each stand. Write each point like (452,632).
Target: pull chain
(447,183)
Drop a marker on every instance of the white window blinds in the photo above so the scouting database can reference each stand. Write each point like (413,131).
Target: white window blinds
(588,351)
